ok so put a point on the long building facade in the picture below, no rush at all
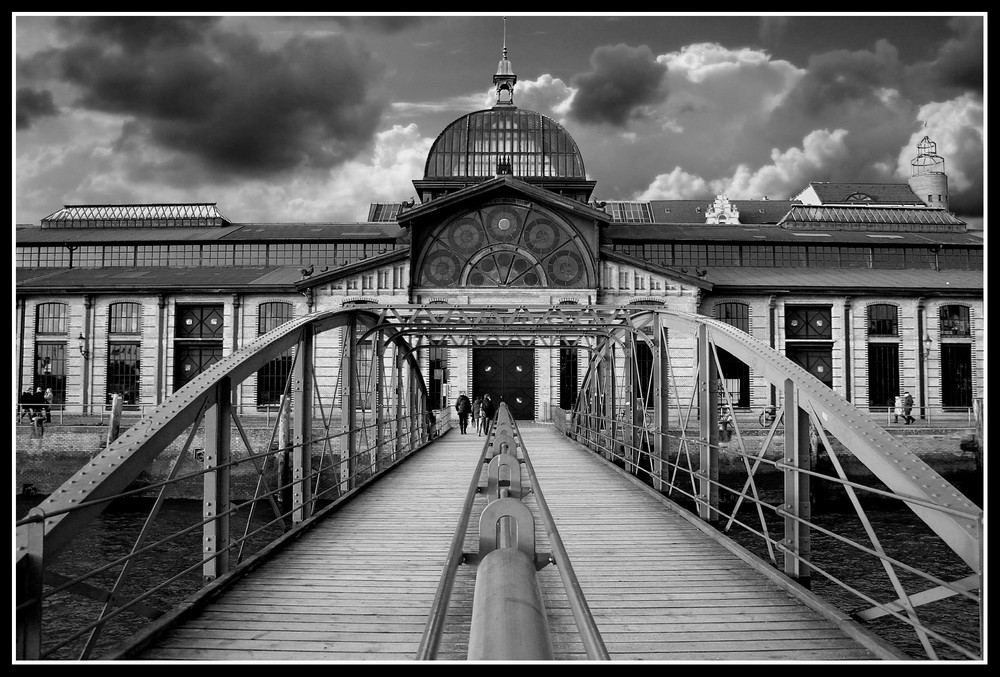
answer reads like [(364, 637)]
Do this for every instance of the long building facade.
[(875, 289)]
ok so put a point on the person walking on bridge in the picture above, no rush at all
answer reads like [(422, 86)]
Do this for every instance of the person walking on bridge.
[(477, 414), (488, 411), (464, 407)]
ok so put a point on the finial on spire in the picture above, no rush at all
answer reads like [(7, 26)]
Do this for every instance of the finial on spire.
[(505, 37), (505, 78)]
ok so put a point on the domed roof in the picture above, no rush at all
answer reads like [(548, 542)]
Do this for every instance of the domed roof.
[(534, 145)]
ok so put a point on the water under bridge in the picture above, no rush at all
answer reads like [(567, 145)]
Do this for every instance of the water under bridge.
[(374, 532)]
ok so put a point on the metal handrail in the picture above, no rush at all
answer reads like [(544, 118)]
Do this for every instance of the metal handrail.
[(430, 640), (37, 517), (606, 445), (590, 636)]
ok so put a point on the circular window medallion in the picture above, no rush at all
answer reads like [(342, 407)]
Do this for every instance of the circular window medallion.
[(441, 269), (541, 237), (566, 268), (466, 235), (504, 223)]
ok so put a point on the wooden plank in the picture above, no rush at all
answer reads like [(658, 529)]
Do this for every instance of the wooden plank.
[(667, 568), (359, 586)]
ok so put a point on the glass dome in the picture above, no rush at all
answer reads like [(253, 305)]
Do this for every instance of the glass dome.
[(534, 145)]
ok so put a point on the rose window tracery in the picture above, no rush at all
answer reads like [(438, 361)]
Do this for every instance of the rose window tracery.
[(505, 244)]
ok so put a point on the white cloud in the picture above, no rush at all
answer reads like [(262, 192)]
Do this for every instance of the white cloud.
[(789, 172), (677, 185)]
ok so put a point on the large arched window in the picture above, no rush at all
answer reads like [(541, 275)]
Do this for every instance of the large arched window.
[(51, 334), (124, 344), (506, 243), (271, 378)]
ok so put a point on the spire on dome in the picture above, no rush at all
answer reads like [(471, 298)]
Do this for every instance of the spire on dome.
[(505, 78)]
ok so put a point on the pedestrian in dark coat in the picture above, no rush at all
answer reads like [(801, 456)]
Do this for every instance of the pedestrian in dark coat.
[(464, 407), (907, 408), (489, 411), (25, 405), (477, 414)]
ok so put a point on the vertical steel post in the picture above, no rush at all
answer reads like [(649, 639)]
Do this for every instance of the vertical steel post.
[(661, 403), (609, 400), (400, 392), (378, 357), (796, 506), (302, 410), (348, 378), (215, 533), (30, 574), (628, 386), (708, 413)]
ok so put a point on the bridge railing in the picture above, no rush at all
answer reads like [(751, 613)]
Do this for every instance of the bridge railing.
[(883, 587), (655, 403), (88, 578), (508, 617)]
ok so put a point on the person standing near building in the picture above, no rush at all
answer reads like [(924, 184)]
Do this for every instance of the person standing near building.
[(477, 414), (24, 405), (464, 407), (38, 404), (49, 397), (908, 407), (897, 408)]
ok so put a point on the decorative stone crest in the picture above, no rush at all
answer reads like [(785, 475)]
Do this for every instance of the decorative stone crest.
[(721, 211)]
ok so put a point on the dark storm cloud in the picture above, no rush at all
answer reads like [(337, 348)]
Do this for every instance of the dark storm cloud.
[(958, 67), (623, 80), (33, 104), (381, 24), (841, 77), (222, 97)]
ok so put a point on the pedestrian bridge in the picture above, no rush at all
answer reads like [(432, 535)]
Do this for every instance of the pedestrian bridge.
[(374, 534)]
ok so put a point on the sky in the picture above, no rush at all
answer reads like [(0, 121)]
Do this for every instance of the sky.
[(296, 118)]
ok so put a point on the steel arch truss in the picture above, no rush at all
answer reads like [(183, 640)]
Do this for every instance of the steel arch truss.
[(649, 399), (653, 403), (318, 449)]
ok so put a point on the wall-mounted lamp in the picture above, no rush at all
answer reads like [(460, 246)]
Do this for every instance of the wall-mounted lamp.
[(82, 345), (927, 346)]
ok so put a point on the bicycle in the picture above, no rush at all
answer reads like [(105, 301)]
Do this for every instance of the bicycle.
[(766, 418)]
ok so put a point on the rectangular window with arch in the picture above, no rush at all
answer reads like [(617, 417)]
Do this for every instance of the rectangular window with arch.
[(124, 352), (955, 321), (883, 320), (51, 327), (271, 378)]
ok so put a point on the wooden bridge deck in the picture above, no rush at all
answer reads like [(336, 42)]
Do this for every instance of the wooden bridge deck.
[(359, 585)]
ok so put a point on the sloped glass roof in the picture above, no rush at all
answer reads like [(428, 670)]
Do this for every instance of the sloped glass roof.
[(132, 215), (867, 214)]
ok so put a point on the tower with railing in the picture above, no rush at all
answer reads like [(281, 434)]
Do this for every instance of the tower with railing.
[(928, 180)]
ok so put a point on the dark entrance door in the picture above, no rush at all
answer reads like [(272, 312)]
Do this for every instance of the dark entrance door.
[(192, 360), (816, 359), (198, 341), (956, 375), (507, 374)]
